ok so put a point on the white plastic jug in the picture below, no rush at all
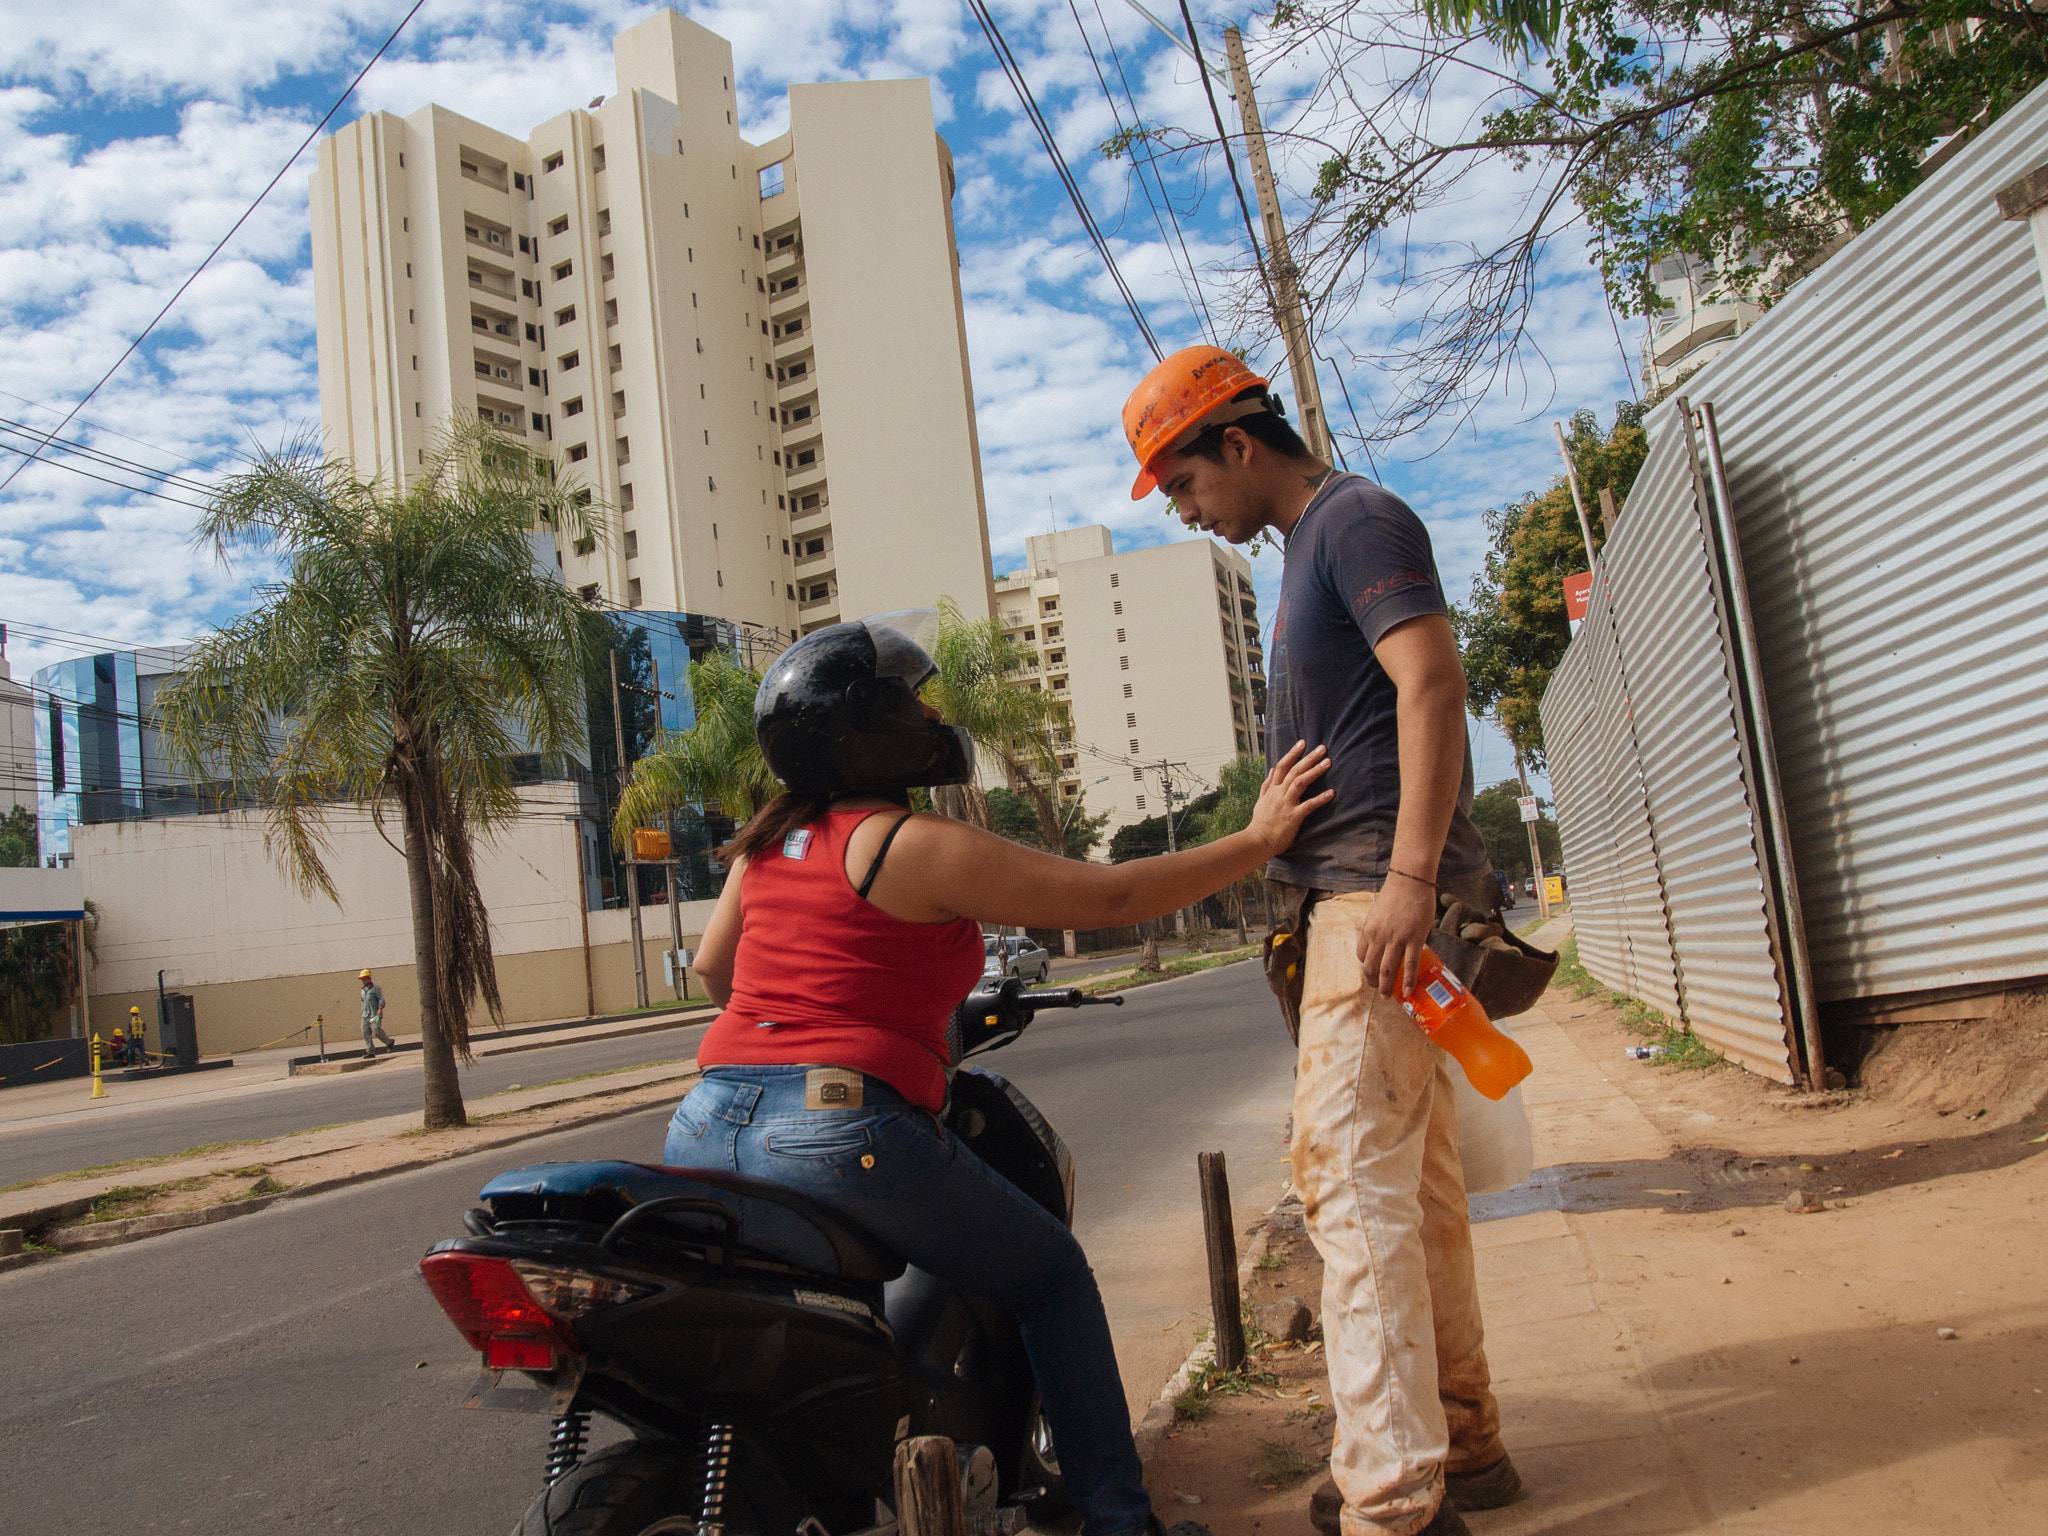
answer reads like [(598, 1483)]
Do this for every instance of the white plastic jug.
[(1493, 1138)]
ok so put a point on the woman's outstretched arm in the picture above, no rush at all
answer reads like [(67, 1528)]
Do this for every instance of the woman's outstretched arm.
[(939, 869)]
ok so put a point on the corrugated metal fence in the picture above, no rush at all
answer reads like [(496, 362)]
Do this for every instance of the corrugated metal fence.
[(1885, 434)]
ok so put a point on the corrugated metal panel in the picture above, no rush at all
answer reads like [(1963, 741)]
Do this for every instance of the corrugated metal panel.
[(1886, 436), (1700, 809), (1571, 713), (1603, 817)]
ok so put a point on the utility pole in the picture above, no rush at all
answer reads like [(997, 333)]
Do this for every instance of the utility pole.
[(632, 864), (1535, 846), (1180, 917), (1280, 268)]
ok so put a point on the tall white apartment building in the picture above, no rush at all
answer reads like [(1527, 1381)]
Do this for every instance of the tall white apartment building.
[(1702, 322), (1157, 653), (804, 385)]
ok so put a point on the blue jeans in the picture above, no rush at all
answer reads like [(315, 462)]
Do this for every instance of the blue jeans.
[(892, 1170)]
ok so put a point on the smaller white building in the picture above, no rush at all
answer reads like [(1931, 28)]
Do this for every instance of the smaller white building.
[(1157, 654), (1702, 322)]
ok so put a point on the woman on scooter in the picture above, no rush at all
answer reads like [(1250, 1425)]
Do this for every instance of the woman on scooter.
[(848, 930)]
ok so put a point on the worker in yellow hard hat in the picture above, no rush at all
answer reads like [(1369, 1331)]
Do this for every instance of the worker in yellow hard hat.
[(373, 1016), (1363, 662)]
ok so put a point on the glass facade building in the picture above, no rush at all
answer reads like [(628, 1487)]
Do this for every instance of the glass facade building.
[(99, 758)]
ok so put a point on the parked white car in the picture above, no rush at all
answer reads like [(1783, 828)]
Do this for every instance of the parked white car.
[(1021, 958)]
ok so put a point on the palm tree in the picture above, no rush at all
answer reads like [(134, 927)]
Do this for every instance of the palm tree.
[(1519, 26), (976, 689), (414, 646), (716, 763)]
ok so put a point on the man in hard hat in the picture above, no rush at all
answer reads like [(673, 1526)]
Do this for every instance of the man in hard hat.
[(1363, 662), (373, 1016), (138, 1049)]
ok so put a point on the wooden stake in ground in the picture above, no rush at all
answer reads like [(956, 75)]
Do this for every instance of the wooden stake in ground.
[(928, 1499), (1221, 1238)]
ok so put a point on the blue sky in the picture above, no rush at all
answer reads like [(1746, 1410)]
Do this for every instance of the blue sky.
[(132, 136)]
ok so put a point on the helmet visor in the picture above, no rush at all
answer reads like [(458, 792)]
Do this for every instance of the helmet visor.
[(904, 642)]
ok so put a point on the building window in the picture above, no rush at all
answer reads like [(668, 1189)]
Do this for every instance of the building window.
[(573, 407), (585, 545), (1056, 658), (1113, 578), (1120, 638), (552, 163), (597, 157), (626, 496), (532, 332), (1134, 744), (808, 456), (790, 590), (1141, 802), (526, 291), (519, 180), (559, 226), (1117, 606), (567, 361), (579, 453), (771, 180), (1127, 690), (632, 591), (1130, 721), (1123, 663), (533, 377), (525, 246), (625, 450), (560, 272), (632, 545)]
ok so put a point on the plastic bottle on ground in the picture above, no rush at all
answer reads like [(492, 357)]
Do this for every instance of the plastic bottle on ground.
[(1452, 1018)]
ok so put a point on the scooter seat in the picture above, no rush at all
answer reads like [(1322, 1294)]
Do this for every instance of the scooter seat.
[(775, 1224)]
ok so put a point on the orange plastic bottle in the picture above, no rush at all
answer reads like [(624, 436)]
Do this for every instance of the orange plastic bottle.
[(1452, 1018)]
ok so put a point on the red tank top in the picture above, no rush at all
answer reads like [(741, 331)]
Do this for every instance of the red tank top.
[(823, 976)]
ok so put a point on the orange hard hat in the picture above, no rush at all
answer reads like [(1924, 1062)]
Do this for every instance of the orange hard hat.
[(1178, 398)]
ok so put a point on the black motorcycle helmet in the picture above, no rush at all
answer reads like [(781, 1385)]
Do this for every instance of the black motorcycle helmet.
[(837, 712)]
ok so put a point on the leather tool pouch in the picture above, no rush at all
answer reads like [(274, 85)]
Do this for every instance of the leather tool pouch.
[(1286, 950)]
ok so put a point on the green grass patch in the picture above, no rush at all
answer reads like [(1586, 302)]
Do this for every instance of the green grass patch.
[(263, 1186), (1683, 1051), (1210, 1383), (1272, 1260), (1187, 965), (584, 1077), (206, 1149), (1281, 1463)]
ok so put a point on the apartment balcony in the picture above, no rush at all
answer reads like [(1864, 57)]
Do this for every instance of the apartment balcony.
[(483, 279), (793, 344), (801, 423), (486, 322), (1681, 334), (805, 470), (789, 292), (812, 566), (503, 372), (798, 378), (489, 237), (778, 260), (808, 524)]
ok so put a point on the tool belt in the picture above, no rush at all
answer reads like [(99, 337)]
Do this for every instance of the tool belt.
[(1507, 976), (1285, 955)]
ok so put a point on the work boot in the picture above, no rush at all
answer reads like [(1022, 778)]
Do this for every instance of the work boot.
[(1491, 1487), (1326, 1508)]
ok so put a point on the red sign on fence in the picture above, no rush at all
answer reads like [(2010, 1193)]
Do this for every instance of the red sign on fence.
[(1578, 595)]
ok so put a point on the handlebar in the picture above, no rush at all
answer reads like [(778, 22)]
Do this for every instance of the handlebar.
[(1067, 997)]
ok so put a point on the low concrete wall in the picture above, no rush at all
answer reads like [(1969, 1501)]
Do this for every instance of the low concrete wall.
[(44, 1061), (548, 984)]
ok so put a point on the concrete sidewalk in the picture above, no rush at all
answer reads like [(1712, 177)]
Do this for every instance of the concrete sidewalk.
[(385, 1144), (1675, 1350), (268, 1071)]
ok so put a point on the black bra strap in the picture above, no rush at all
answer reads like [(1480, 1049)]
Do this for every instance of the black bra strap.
[(881, 853)]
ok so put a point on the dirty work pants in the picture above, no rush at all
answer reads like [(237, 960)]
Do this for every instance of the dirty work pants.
[(1376, 1165), (375, 1027)]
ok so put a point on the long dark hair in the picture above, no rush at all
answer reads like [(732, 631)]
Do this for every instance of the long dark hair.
[(783, 815)]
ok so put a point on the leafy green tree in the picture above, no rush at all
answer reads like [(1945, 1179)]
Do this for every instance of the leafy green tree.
[(1237, 796), (1497, 812), (1751, 136), (716, 764), (1513, 632), (1013, 816), (413, 647), (18, 839), (1019, 729), (1143, 839)]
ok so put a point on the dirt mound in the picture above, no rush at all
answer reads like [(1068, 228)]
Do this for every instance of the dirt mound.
[(1998, 1065)]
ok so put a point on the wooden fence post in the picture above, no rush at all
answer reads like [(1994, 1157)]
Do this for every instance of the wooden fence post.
[(928, 1499), (1221, 1239)]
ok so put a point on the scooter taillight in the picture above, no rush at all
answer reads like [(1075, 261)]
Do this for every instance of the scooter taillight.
[(491, 1307)]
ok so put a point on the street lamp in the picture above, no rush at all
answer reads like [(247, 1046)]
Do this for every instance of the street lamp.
[(1077, 800)]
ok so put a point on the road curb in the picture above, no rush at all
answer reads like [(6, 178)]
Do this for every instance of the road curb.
[(1160, 1416), (1163, 981), (132, 1229)]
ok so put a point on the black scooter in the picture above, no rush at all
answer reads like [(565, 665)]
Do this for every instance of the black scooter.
[(767, 1356)]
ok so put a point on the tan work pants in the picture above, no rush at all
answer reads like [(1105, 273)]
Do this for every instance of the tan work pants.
[(1376, 1165)]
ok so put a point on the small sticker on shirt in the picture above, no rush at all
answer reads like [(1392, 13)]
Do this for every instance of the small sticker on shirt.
[(798, 844)]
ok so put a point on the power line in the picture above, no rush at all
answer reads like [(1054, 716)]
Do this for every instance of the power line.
[(247, 214), (101, 427), (1014, 72), (102, 456), (1230, 162), (1145, 161), (27, 455)]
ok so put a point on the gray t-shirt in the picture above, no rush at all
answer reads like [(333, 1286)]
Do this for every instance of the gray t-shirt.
[(1358, 563), (373, 1002)]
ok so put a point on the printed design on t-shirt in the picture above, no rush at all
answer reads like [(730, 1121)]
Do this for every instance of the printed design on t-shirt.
[(798, 844), (1399, 581)]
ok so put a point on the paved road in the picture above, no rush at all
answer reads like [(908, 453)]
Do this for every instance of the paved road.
[(256, 1111), (287, 1372)]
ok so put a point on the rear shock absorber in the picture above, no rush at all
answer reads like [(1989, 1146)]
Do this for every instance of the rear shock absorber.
[(717, 1467), (567, 1435)]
